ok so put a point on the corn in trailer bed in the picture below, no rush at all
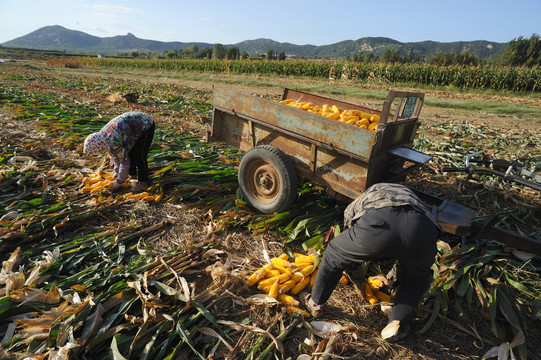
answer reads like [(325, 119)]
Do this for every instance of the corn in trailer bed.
[(284, 144)]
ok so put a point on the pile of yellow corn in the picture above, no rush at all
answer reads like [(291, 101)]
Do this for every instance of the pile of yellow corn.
[(99, 181), (281, 279), (355, 117), (372, 290)]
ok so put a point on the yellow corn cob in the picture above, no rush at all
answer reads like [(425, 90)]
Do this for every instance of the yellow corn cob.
[(86, 188), (307, 270), (363, 121), (369, 294), (285, 287), (285, 101), (344, 279), (284, 256), (281, 262), (347, 118), (98, 184), (297, 277), (373, 126), (96, 190), (126, 195), (287, 300), (335, 109), (375, 283), (273, 291), (332, 115), (296, 310), (300, 258), (300, 286), (313, 277), (305, 106), (326, 108), (91, 180), (382, 296), (272, 273), (374, 118), (158, 197), (283, 270), (282, 278), (298, 266), (149, 198), (256, 276)]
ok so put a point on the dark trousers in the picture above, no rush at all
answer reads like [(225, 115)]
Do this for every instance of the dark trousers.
[(139, 153), (400, 233)]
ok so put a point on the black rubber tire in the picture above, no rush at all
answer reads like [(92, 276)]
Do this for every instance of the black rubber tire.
[(268, 179)]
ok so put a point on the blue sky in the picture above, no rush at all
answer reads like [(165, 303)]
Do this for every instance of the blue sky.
[(299, 22)]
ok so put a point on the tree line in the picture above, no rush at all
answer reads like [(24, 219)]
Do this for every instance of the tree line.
[(520, 52)]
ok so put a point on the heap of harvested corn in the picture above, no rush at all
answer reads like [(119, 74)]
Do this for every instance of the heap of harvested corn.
[(355, 117), (282, 279), (100, 181)]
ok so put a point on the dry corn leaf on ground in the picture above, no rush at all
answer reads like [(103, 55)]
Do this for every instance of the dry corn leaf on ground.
[(355, 117)]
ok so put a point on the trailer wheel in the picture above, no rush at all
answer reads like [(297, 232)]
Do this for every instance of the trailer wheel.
[(268, 179)]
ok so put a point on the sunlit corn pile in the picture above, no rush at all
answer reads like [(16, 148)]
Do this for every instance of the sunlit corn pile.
[(355, 117), (282, 280), (99, 182)]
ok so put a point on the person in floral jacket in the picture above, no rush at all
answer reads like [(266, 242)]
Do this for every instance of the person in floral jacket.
[(127, 139)]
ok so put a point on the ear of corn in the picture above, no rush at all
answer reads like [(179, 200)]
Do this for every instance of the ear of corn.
[(306, 271), (282, 278), (288, 285), (256, 276), (272, 273), (300, 258), (313, 277), (287, 300), (344, 279), (382, 296), (273, 291), (281, 262), (369, 294), (300, 286), (375, 283), (296, 310)]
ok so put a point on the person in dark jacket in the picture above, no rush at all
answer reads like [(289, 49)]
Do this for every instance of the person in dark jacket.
[(127, 139), (388, 221)]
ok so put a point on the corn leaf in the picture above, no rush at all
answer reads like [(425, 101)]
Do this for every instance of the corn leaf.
[(185, 335), (114, 347)]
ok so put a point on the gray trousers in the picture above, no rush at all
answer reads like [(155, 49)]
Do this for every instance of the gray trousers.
[(400, 233)]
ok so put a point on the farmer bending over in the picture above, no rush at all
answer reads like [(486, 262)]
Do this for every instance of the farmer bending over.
[(387, 222), (127, 139)]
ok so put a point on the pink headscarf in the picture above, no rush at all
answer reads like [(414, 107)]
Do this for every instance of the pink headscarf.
[(95, 144)]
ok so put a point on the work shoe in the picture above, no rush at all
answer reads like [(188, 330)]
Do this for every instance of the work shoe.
[(139, 186), (395, 331), (306, 301)]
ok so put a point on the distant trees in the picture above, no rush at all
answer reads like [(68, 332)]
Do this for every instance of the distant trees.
[(446, 58), (523, 52), (520, 52)]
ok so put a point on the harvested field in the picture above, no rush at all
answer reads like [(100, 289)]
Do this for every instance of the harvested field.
[(149, 280)]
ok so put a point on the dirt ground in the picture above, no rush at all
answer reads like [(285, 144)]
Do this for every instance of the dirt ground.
[(190, 225)]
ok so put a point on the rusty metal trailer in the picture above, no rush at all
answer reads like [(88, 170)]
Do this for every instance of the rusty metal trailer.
[(285, 145)]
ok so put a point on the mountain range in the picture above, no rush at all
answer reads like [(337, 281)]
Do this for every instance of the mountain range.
[(59, 38)]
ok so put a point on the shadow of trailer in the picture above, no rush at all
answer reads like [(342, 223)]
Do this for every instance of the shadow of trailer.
[(286, 145)]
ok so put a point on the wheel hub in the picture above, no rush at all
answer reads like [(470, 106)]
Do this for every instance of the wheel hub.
[(264, 181)]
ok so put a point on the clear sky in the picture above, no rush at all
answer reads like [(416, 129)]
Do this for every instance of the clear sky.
[(300, 22)]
